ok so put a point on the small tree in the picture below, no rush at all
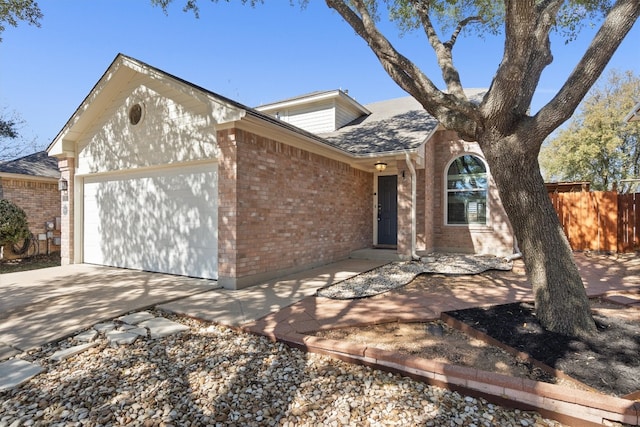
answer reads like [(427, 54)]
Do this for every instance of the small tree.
[(596, 145), (13, 223)]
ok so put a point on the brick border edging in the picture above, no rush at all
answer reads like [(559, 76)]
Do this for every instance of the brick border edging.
[(563, 404), (475, 333)]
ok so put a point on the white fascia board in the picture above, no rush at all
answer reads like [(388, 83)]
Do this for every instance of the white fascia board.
[(58, 147), (61, 147), (334, 94)]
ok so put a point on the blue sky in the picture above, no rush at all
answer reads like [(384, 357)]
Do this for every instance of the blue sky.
[(253, 56)]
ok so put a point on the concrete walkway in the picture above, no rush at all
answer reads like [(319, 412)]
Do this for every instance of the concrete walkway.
[(237, 308), (601, 275)]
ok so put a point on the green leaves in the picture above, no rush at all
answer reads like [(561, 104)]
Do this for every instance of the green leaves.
[(13, 223), (596, 145), (13, 11)]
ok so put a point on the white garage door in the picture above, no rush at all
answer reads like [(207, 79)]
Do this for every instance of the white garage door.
[(164, 221)]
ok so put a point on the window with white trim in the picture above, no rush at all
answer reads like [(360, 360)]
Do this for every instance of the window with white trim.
[(467, 191)]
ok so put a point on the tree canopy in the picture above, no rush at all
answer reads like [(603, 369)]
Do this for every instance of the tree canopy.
[(14, 11), (502, 124), (12, 143), (596, 145)]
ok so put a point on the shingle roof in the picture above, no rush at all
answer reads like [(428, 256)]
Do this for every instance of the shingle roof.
[(393, 125), (36, 164)]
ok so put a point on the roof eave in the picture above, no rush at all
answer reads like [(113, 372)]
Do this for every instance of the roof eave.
[(322, 96)]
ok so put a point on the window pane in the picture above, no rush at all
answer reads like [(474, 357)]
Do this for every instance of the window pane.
[(466, 191), (467, 165), (467, 207), (466, 173), (466, 182)]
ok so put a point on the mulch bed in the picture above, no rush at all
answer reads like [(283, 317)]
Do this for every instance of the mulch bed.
[(608, 361)]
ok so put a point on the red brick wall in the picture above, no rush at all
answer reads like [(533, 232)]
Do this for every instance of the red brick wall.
[(41, 202), (494, 238), (293, 208)]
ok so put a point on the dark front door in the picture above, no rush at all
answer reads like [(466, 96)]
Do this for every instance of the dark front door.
[(388, 210)]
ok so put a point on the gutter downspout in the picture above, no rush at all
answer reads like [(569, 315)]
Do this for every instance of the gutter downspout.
[(412, 170), (516, 252)]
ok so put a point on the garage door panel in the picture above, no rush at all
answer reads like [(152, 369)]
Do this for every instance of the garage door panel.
[(163, 221)]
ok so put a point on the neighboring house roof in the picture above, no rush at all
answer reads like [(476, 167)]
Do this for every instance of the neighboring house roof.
[(394, 125), (37, 164)]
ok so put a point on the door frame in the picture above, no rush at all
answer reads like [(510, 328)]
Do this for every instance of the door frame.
[(375, 210)]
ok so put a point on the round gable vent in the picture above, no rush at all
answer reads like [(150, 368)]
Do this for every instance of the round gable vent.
[(136, 114)]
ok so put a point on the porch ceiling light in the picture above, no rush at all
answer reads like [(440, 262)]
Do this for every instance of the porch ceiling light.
[(380, 166), (63, 185)]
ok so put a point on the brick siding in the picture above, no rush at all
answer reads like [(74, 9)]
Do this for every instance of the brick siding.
[(40, 200), (287, 208), (494, 238)]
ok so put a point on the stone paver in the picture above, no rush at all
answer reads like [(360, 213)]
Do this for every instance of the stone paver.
[(135, 318), (104, 328), (16, 371), (160, 327), (121, 338), (6, 351), (86, 336), (71, 351)]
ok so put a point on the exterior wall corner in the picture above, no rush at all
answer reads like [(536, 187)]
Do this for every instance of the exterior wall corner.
[(67, 206)]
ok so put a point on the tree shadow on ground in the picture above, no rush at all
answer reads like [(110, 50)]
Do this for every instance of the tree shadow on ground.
[(607, 360)]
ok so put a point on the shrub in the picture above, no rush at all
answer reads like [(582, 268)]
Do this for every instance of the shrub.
[(13, 223)]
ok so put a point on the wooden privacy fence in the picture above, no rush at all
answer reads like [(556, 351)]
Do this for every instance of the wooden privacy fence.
[(599, 220)]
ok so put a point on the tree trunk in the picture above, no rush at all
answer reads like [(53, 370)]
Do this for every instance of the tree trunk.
[(561, 301)]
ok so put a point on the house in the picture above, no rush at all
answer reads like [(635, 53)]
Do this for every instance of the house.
[(31, 183), (163, 175)]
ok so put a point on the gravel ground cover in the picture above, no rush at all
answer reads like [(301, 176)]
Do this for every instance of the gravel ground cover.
[(212, 375), (398, 274)]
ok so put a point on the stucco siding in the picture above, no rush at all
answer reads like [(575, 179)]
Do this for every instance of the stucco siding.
[(174, 128)]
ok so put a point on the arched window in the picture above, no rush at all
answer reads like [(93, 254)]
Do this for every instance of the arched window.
[(467, 191)]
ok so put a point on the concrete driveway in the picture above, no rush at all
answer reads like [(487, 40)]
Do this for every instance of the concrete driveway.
[(40, 306)]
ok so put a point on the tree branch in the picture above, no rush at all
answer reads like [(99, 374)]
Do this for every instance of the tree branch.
[(443, 52), (461, 25), (452, 111), (615, 27), (527, 53)]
